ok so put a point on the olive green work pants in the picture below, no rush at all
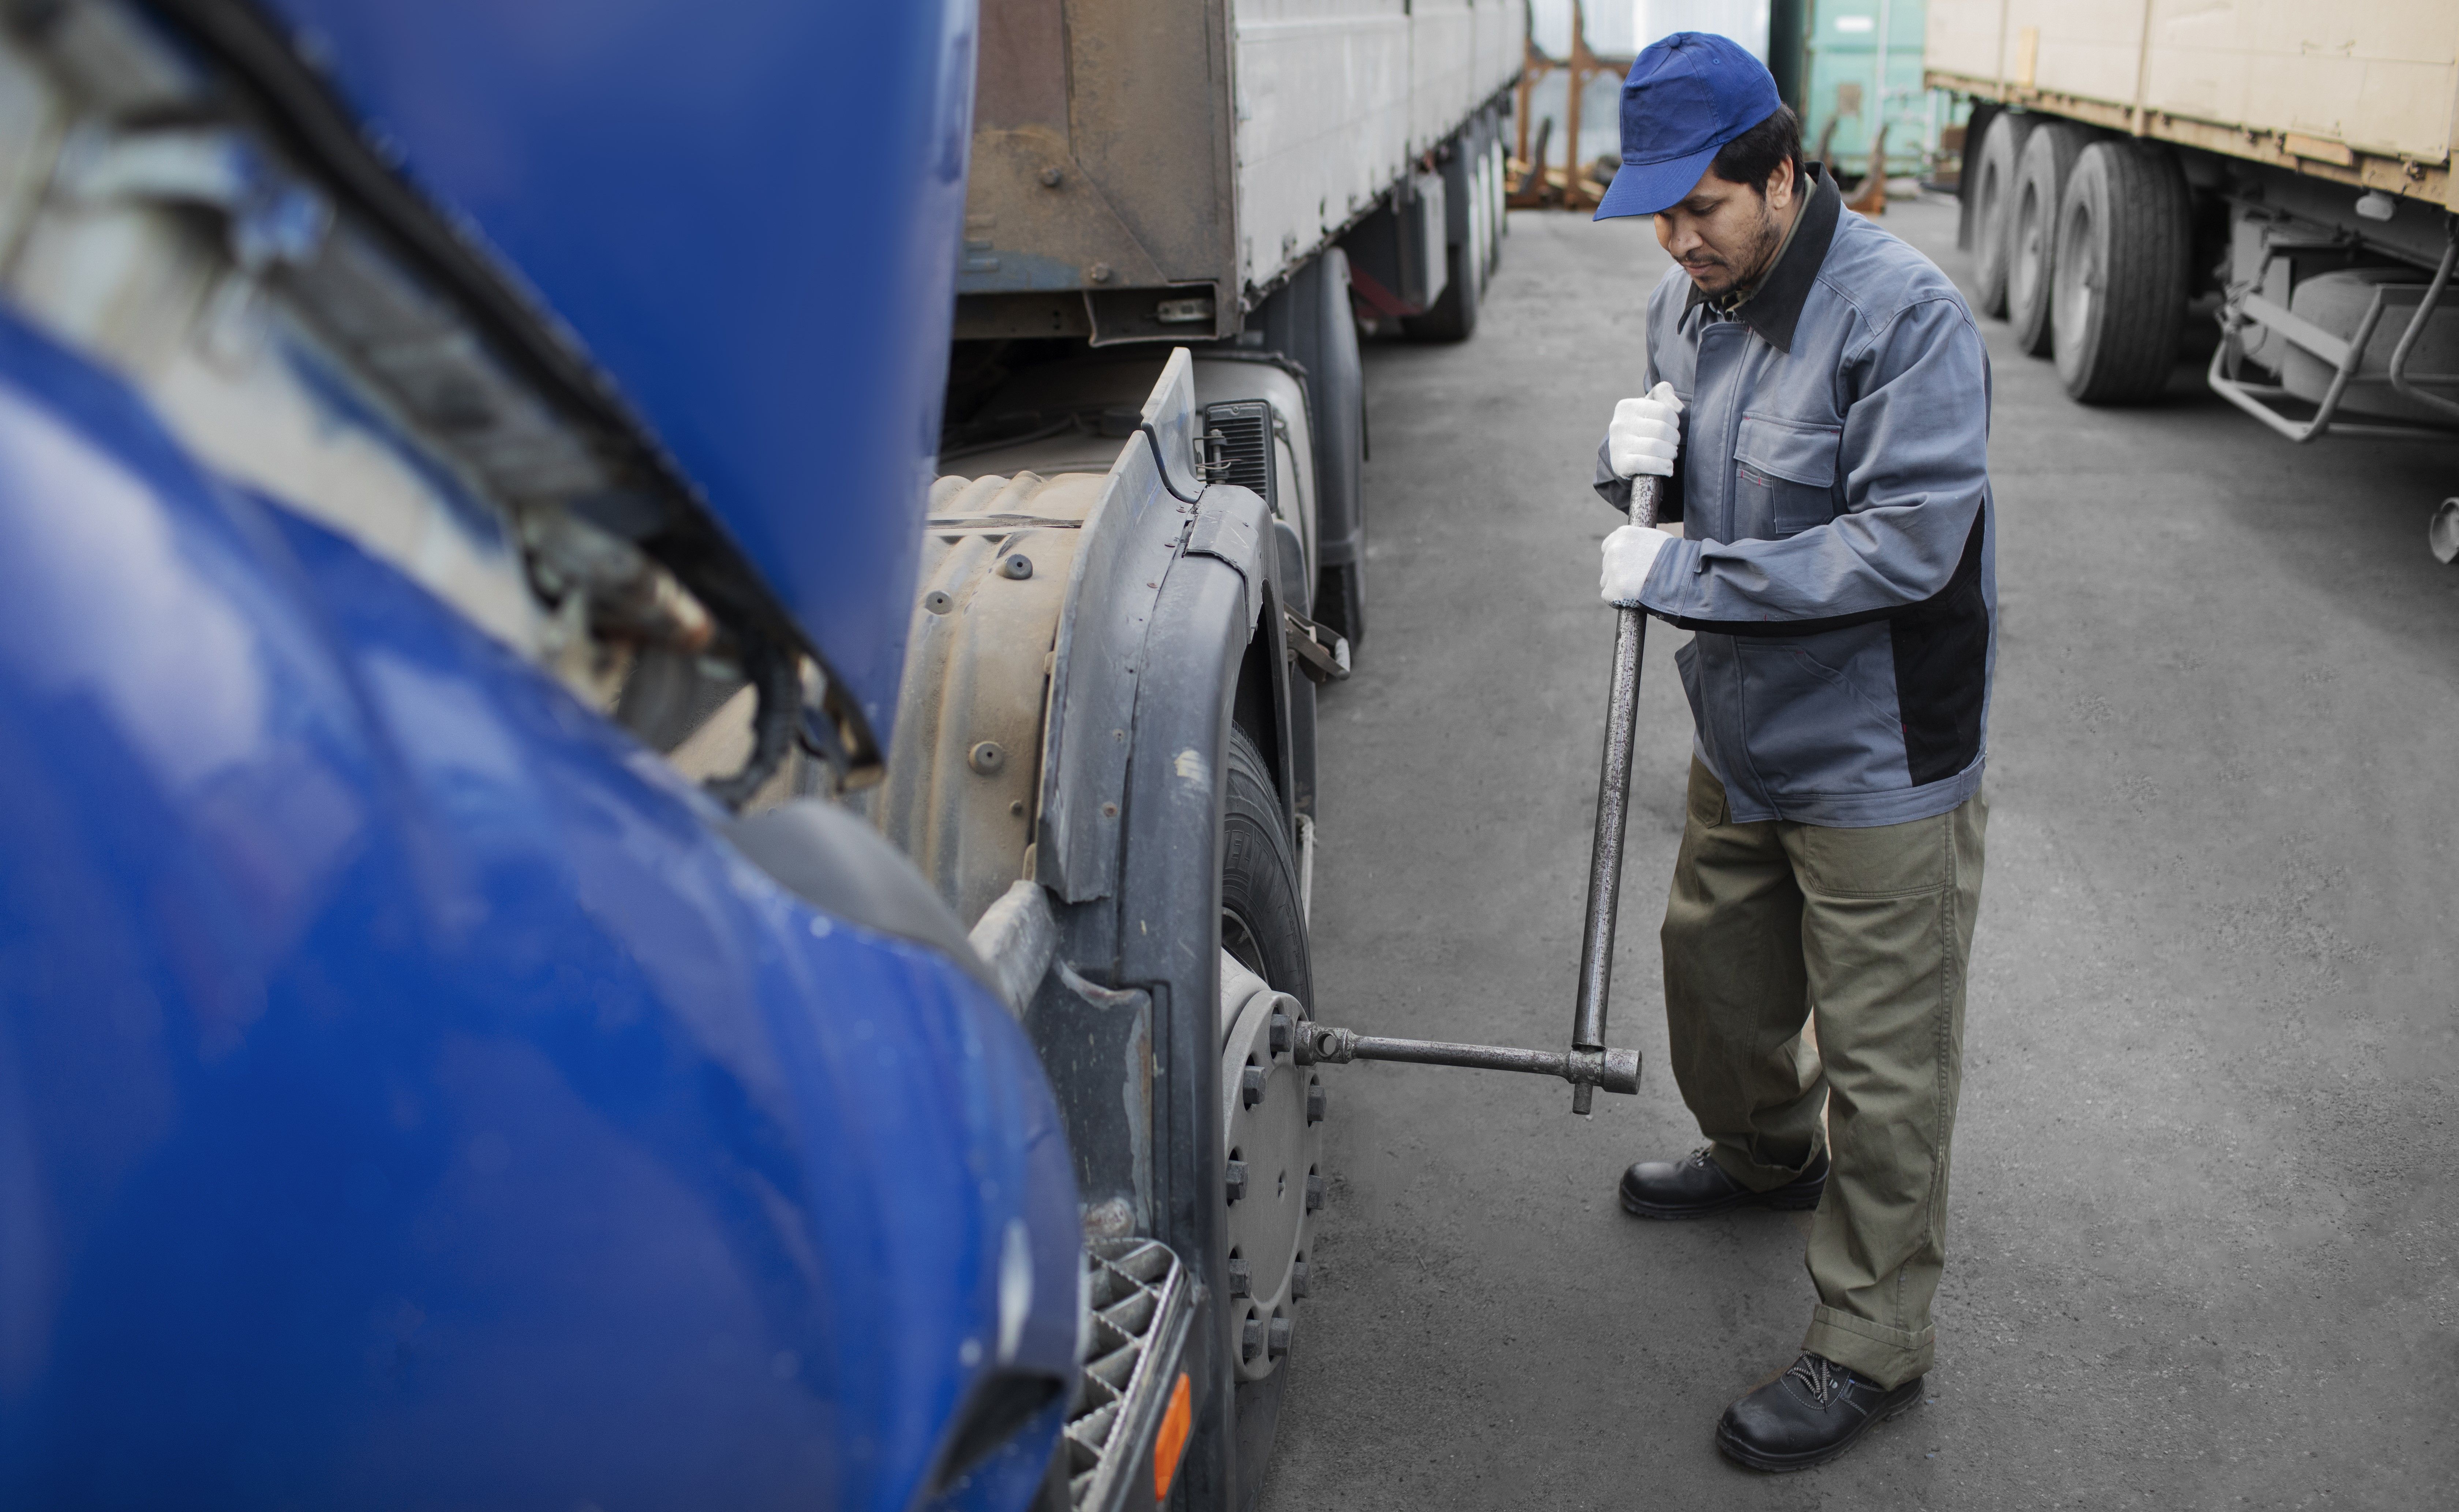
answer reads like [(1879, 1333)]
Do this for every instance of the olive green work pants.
[(1809, 969)]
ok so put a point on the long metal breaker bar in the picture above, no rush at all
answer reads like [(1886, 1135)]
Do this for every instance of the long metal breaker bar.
[(1588, 1064)]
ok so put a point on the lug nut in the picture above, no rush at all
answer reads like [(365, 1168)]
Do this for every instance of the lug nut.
[(1281, 1030), (1236, 1183), (986, 757), (1315, 1191), (1251, 1085), (1316, 1099), (1017, 565), (1297, 1279), (938, 601), (1240, 1282), (1277, 1337), (1251, 1343)]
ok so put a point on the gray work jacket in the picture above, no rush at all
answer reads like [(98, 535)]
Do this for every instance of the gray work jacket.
[(1838, 550)]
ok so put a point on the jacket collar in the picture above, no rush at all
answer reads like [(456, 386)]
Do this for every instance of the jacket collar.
[(1773, 304)]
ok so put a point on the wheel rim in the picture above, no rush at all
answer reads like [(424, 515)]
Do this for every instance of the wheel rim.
[(2026, 275), (1272, 1125), (2078, 279)]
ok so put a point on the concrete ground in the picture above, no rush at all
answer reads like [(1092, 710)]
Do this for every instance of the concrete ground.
[(2204, 1213)]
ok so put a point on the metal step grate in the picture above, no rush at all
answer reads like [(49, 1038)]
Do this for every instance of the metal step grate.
[(1136, 1293)]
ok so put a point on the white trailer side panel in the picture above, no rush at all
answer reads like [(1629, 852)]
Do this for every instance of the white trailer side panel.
[(1501, 45), (2084, 46), (2380, 75), (1964, 39), (2363, 90), (1323, 120), (1442, 63), (1335, 97)]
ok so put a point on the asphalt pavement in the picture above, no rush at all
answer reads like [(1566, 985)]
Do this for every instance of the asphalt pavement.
[(2204, 1213)]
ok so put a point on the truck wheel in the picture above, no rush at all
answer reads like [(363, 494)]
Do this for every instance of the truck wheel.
[(1485, 232), (1499, 213), (1994, 200), (1272, 1108), (2125, 233), (1263, 925), (2040, 187), (1453, 316)]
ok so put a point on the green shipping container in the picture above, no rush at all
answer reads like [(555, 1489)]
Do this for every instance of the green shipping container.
[(1862, 63)]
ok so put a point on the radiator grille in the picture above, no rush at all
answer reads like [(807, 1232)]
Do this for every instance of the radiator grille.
[(1238, 443)]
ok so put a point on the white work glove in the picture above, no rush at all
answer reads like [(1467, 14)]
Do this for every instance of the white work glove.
[(1646, 433), (1630, 552)]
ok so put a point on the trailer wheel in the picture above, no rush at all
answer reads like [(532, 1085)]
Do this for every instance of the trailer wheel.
[(1453, 316), (2041, 178), (1272, 1124), (2125, 233), (2002, 150), (1499, 210)]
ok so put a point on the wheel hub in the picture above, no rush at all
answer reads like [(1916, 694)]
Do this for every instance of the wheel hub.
[(1272, 1117)]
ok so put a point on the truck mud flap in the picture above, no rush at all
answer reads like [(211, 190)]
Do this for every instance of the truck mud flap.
[(1131, 1417)]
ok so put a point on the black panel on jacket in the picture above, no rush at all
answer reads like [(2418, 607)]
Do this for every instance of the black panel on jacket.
[(1942, 670)]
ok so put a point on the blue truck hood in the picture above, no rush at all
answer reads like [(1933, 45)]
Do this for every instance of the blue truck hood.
[(747, 214)]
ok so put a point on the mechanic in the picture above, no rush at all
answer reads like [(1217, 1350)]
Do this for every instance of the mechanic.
[(1818, 403)]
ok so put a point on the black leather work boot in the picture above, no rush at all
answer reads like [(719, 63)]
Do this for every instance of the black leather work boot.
[(1809, 1414), (1696, 1186)]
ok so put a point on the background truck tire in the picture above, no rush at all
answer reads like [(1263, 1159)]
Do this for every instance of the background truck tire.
[(2002, 150), (2041, 178), (2125, 235), (1498, 215), (1263, 927), (1453, 317)]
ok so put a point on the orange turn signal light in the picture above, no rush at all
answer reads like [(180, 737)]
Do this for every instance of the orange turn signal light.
[(1171, 1442)]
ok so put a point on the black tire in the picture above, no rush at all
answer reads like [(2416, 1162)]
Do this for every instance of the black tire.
[(2125, 241), (1993, 197), (1498, 192), (1453, 317), (1263, 924), (2041, 177)]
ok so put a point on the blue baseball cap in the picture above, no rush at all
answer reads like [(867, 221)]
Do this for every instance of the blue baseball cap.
[(1684, 97)]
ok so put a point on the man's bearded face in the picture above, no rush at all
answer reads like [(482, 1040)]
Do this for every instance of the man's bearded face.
[(1725, 234)]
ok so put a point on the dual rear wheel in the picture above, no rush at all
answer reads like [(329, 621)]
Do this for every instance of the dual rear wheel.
[(2084, 243)]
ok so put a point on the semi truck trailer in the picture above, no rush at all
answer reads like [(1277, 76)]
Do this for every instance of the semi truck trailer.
[(658, 833), (2287, 167)]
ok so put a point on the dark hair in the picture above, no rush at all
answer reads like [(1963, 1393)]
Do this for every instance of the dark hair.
[(1752, 158)]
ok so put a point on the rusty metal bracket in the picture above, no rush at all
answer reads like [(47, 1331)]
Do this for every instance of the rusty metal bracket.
[(1322, 652)]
